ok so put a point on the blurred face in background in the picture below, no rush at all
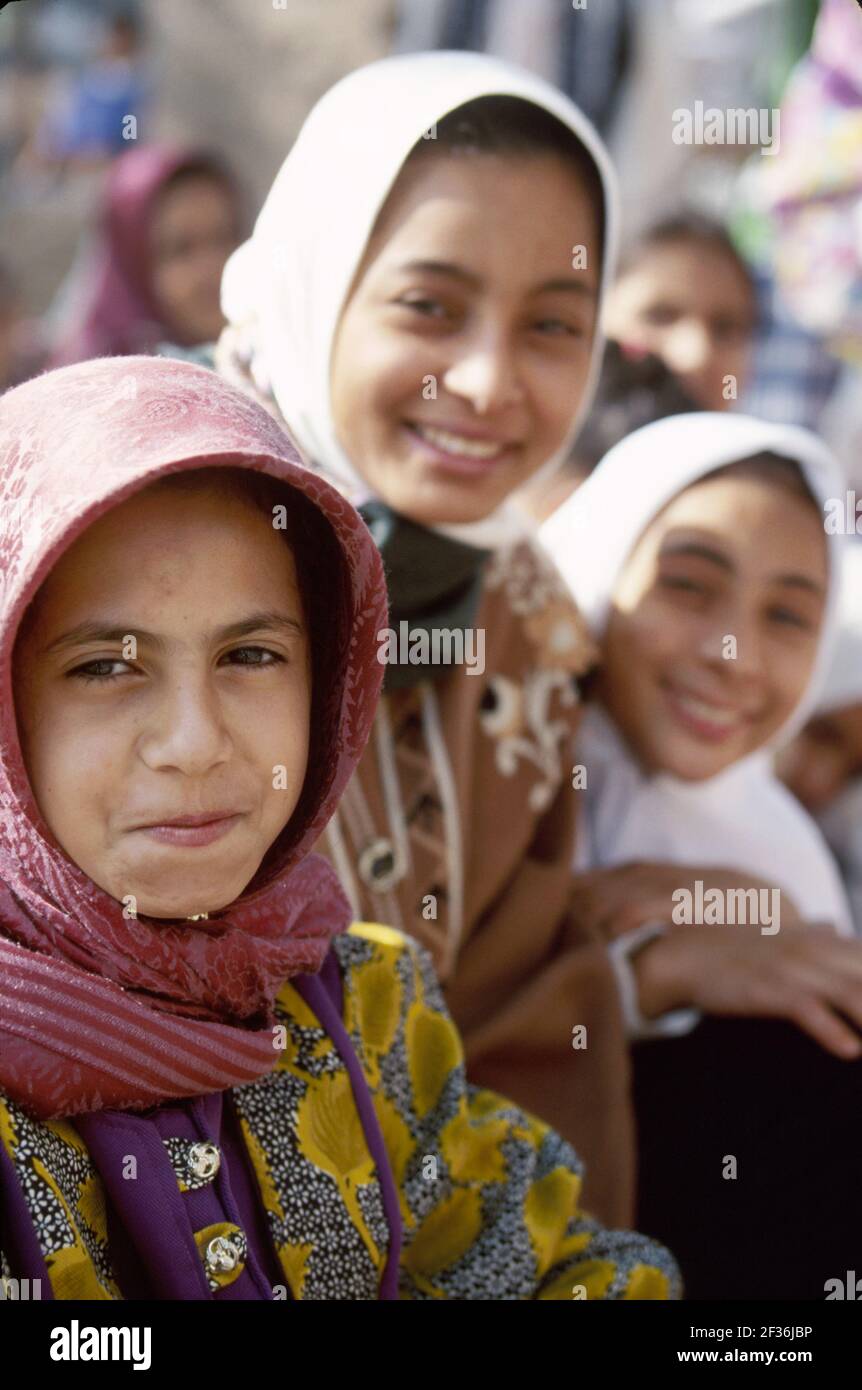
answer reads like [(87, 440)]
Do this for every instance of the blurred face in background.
[(820, 762), (690, 304), (463, 286), (193, 229)]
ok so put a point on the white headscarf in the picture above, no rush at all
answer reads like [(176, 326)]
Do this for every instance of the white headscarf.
[(285, 287), (743, 818)]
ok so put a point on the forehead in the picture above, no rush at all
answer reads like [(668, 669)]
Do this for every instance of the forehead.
[(694, 271), (163, 542), (445, 204), (195, 197), (756, 520)]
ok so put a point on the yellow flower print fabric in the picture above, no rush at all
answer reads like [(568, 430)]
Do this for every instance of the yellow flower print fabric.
[(488, 1194)]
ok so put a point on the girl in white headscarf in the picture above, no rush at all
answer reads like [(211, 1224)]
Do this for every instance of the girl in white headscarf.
[(419, 303), (712, 655), (697, 552)]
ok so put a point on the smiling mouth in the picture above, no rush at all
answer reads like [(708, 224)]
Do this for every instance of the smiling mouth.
[(712, 722), (461, 448)]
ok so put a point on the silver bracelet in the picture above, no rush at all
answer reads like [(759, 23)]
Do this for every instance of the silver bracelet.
[(621, 951)]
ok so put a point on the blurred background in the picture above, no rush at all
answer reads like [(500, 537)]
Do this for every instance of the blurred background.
[(139, 137)]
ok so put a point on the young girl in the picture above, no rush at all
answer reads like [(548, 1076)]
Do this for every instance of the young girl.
[(431, 342), (684, 293), (169, 221), (208, 1088), (698, 552)]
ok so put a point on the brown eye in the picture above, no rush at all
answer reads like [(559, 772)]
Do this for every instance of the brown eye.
[(660, 315), (96, 670), (788, 617), (254, 656), (558, 328), (682, 583), (428, 308)]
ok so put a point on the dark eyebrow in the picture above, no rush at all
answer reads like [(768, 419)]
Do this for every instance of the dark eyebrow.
[(800, 581), (99, 632), (700, 551), (468, 277), (706, 552)]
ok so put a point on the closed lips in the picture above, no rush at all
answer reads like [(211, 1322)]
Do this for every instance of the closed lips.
[(208, 818)]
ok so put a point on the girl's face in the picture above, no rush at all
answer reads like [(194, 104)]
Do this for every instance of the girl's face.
[(464, 346), (690, 305), (730, 558), (192, 232), (163, 695)]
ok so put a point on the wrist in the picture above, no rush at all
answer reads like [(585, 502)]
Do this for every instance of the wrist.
[(657, 989)]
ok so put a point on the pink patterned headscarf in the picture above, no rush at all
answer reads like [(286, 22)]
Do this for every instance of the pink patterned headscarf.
[(96, 1009)]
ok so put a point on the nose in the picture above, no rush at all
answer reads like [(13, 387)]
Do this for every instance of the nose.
[(743, 657), (187, 732), (486, 374), (687, 347)]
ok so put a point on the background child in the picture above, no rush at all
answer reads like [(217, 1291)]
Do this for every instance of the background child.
[(170, 219), (684, 293)]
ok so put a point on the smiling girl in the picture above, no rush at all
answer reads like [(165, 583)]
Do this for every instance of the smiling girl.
[(209, 1088), (419, 303), (712, 594), (711, 587)]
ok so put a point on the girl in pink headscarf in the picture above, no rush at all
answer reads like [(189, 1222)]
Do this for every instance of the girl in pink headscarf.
[(189, 637), (170, 219)]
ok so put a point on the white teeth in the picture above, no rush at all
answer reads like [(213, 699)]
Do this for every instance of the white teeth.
[(723, 718), (458, 445)]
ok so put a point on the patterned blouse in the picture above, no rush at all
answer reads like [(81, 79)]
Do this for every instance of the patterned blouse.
[(372, 1170)]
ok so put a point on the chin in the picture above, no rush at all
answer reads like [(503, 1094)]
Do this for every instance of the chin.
[(190, 903), (695, 764)]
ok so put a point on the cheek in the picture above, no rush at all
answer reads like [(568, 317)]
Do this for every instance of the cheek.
[(281, 723), (650, 639), (75, 773), (789, 670), (170, 287), (367, 374), (556, 390)]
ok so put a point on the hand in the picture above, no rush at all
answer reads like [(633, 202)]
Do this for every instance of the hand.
[(805, 974), (611, 902)]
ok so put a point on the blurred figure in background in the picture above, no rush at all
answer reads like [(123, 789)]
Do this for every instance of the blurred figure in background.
[(811, 198), (86, 121), (684, 293), (584, 50), (170, 220), (823, 765)]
